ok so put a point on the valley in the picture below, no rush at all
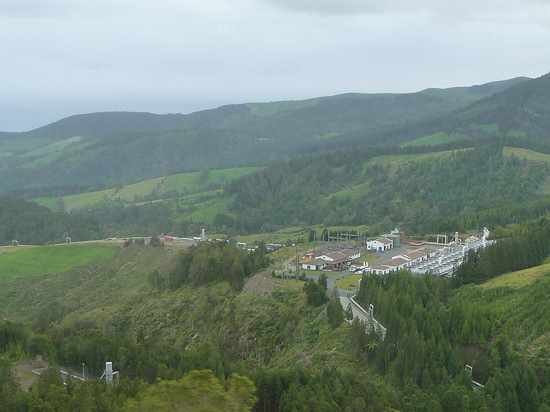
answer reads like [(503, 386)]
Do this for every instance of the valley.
[(104, 227)]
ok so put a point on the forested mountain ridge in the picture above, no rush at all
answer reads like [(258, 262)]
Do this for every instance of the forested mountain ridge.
[(522, 110), (465, 185), (385, 187), (113, 148)]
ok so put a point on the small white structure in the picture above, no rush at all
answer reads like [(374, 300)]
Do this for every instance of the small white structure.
[(380, 245), (108, 373), (380, 270)]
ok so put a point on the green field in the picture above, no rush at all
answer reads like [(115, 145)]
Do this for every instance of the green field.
[(489, 128), (188, 184), (207, 211), (435, 139), (50, 157), (350, 282), (196, 181), (53, 147), (520, 278), (526, 154), (396, 160), (43, 260)]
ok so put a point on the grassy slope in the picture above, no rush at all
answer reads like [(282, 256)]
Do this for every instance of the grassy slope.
[(44, 260), (518, 279), (516, 306), (527, 154), (393, 161), (53, 147), (114, 293), (88, 282), (184, 182), (532, 156), (435, 139), (50, 157)]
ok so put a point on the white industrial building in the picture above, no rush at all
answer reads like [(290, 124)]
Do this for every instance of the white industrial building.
[(333, 259), (380, 245)]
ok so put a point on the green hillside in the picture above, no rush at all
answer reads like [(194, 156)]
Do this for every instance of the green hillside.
[(521, 110), (109, 149), (385, 188), (43, 260), (186, 196), (31, 224), (110, 309)]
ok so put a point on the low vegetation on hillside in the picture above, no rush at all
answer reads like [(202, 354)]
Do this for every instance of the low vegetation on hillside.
[(284, 348)]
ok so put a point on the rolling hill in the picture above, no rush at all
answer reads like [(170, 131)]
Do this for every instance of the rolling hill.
[(522, 110), (102, 150)]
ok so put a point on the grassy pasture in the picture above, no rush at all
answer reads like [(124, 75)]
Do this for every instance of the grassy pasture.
[(527, 154), (207, 211), (183, 183), (85, 199), (348, 283), (49, 202), (396, 160), (192, 181), (43, 260), (49, 158), (434, 139), (354, 192), (520, 278), (489, 128), (53, 147)]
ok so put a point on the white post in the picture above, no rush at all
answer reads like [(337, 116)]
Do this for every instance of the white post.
[(109, 372)]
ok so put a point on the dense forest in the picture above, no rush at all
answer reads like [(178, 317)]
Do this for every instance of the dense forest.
[(31, 224), (376, 192)]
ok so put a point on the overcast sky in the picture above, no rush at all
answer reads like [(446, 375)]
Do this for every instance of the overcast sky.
[(65, 57)]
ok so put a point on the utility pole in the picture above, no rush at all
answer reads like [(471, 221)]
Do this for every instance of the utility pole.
[(297, 264), (314, 254)]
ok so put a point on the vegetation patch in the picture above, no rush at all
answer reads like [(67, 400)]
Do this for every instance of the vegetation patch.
[(207, 211), (349, 282), (20, 145), (266, 109), (435, 139), (53, 147), (489, 128), (526, 154), (51, 259), (520, 278)]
